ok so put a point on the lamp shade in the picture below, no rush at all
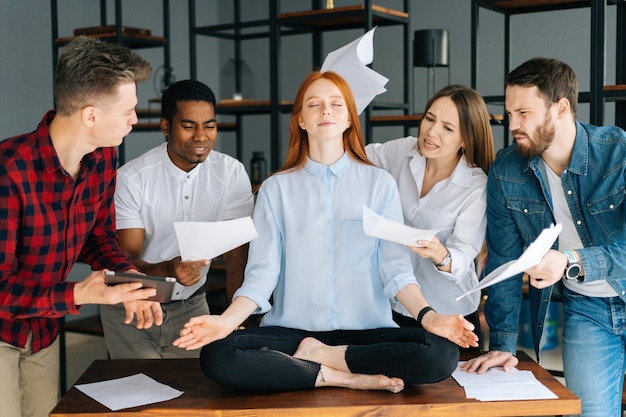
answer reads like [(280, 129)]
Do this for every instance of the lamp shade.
[(430, 48)]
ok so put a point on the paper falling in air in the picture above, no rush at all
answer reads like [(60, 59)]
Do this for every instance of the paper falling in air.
[(350, 61)]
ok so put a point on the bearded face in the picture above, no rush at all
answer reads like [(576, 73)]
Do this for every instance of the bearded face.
[(540, 139)]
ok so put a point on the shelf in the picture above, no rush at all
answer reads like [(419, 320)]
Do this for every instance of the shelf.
[(229, 30), (415, 119), (598, 93), (383, 105), (134, 41), (120, 34), (236, 107), (531, 6), (148, 113), (363, 16), (610, 93), (155, 126), (615, 92), (313, 21), (397, 120), (146, 127), (350, 17)]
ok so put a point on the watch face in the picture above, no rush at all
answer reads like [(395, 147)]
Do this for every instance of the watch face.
[(573, 271)]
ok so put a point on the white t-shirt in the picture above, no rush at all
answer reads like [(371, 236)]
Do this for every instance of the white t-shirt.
[(455, 205), (569, 239), (152, 193)]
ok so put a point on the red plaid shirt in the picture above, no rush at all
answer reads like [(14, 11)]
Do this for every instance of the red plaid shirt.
[(46, 221)]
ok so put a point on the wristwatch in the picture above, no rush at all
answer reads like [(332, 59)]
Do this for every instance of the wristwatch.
[(573, 268), (446, 260)]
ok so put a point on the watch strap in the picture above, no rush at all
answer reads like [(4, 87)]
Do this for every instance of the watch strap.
[(445, 261), (571, 258), (572, 264)]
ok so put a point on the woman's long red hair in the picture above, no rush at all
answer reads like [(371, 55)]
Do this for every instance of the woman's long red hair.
[(298, 138)]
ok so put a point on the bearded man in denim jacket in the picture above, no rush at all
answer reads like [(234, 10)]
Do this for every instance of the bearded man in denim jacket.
[(560, 171)]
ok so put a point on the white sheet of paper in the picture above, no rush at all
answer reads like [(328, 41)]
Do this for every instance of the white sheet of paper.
[(529, 258), (510, 392), (499, 385), (130, 391), (378, 226), (206, 240), (493, 375), (350, 61)]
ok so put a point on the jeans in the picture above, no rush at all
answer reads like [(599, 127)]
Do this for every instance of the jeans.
[(260, 358), (594, 332)]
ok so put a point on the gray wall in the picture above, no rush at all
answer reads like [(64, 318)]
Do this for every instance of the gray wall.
[(26, 64), (26, 55)]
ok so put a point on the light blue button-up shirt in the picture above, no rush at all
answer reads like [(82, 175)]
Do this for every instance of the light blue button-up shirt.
[(312, 254)]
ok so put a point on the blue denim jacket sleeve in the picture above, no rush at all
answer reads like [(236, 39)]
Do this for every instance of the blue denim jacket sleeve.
[(595, 183), (505, 243)]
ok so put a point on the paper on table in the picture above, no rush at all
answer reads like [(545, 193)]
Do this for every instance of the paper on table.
[(130, 391), (510, 392), (206, 240), (350, 61), (378, 226), (499, 385), (529, 258), (495, 375)]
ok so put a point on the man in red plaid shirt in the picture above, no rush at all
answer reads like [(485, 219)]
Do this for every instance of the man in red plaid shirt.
[(56, 204)]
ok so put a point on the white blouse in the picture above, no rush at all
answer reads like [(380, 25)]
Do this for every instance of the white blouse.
[(455, 205)]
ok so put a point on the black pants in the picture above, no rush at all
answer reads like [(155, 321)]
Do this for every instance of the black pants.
[(260, 358)]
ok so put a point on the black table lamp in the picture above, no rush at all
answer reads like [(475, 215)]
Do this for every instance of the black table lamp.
[(430, 50)]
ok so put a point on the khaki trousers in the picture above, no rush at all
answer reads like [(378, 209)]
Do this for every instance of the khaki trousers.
[(29, 383)]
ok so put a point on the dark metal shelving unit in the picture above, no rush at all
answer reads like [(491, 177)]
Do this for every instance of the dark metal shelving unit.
[(314, 21), (117, 33), (598, 93), (366, 16)]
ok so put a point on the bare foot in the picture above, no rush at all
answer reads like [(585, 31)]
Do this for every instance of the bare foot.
[(315, 351), (307, 348), (334, 371), (329, 377)]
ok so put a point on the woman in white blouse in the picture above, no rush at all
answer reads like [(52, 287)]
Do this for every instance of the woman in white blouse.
[(442, 179)]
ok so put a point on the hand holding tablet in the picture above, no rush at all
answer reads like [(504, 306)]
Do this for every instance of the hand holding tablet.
[(163, 285)]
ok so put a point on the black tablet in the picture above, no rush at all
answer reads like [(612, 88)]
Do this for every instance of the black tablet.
[(163, 285)]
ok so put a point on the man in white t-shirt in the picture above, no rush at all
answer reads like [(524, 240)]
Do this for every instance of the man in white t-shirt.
[(180, 180)]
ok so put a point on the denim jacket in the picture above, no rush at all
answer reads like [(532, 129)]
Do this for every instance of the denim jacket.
[(519, 207)]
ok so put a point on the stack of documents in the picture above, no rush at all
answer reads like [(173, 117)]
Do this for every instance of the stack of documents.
[(499, 385)]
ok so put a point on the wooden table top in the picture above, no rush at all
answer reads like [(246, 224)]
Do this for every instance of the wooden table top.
[(203, 397)]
